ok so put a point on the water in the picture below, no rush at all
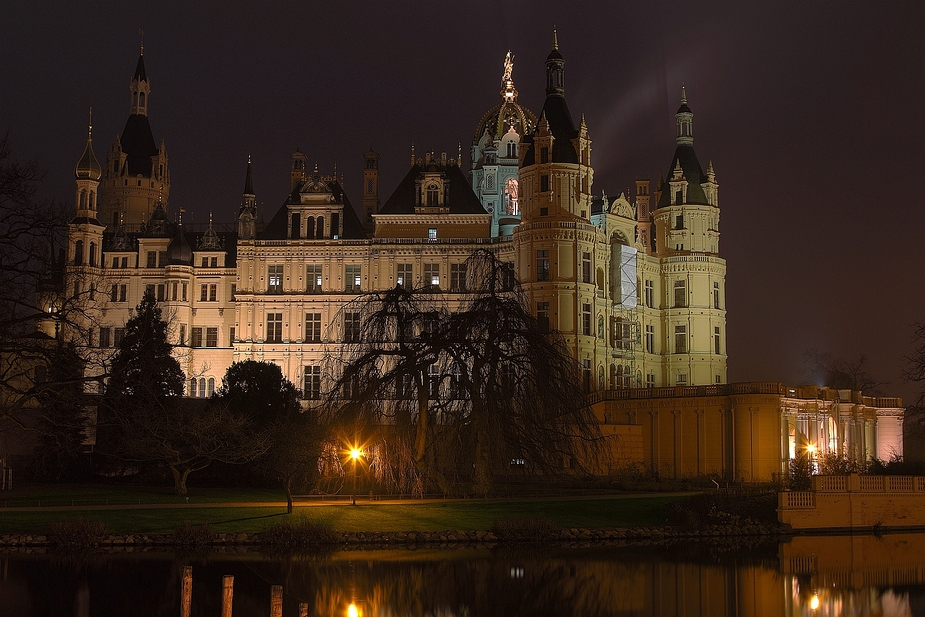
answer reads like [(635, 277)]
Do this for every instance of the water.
[(830, 576)]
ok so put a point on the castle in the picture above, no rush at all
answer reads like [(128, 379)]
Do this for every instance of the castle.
[(635, 284)]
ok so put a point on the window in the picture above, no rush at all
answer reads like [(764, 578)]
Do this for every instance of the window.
[(352, 278), (119, 293), (544, 154), (231, 336), (152, 259), (182, 340), (192, 387), (680, 379), (586, 374), (202, 388), (542, 265), (586, 319), (433, 382), (716, 295), (213, 292), (432, 274), (183, 289), (234, 291), (650, 339), (274, 328), (352, 327), (211, 389), (404, 276), (311, 389), (650, 380), (161, 293), (507, 276), (716, 341), (312, 327), (211, 337), (432, 233), (586, 267), (115, 262), (458, 277), (205, 262), (105, 337), (544, 211), (650, 294), (275, 278), (542, 316), (680, 294), (433, 194), (319, 232), (149, 289), (125, 262), (600, 327), (203, 293), (544, 183), (174, 286), (196, 338), (213, 262), (313, 278), (208, 292), (680, 339), (679, 222)]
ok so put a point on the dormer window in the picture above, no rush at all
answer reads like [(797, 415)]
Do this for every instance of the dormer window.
[(432, 196)]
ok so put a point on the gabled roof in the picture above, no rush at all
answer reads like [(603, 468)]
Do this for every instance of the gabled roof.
[(278, 226), (461, 199)]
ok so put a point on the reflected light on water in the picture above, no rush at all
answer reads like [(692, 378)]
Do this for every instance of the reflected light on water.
[(353, 611)]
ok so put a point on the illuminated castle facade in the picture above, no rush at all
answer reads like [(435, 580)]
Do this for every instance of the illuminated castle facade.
[(635, 284)]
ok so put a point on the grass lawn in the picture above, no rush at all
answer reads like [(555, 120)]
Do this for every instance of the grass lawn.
[(617, 511), (97, 495)]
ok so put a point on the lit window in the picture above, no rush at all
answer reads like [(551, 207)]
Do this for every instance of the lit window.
[(432, 274), (404, 276), (432, 233), (313, 278), (352, 278), (275, 279)]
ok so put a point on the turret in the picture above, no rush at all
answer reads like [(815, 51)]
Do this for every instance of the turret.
[(87, 175), (140, 88), (247, 213), (298, 170), (370, 189)]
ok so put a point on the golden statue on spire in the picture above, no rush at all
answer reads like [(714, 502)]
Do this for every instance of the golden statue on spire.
[(508, 66)]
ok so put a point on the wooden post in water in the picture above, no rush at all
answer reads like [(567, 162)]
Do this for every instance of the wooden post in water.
[(227, 594), (276, 601), (303, 609), (186, 591)]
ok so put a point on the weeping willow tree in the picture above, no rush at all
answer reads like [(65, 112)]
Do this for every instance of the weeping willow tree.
[(449, 389)]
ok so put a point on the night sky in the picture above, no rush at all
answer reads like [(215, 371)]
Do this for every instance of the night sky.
[(810, 112)]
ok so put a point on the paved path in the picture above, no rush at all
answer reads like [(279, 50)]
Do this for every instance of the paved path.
[(304, 501)]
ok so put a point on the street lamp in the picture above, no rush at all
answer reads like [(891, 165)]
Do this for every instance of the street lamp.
[(355, 454)]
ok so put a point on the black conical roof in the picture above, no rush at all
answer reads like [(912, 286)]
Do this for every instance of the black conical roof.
[(140, 69), (248, 179)]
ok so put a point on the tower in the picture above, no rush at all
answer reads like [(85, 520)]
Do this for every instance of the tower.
[(693, 277), (136, 174), (370, 190), (561, 256), (495, 152)]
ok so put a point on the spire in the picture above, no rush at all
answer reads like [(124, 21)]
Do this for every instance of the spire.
[(555, 69), (248, 178), (88, 167), (140, 87), (685, 119)]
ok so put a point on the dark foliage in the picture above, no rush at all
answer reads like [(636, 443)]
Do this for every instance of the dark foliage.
[(298, 534), (192, 537), (727, 507), (801, 473), (896, 466), (525, 529), (838, 373), (76, 533)]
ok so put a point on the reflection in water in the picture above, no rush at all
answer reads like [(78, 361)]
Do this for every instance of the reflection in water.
[(813, 577)]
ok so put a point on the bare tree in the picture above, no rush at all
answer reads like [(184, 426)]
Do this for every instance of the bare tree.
[(455, 397), (839, 373), (38, 289)]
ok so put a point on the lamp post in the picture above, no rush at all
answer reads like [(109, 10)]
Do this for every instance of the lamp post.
[(354, 454)]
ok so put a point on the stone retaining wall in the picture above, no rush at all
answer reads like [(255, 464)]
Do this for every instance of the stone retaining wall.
[(400, 538)]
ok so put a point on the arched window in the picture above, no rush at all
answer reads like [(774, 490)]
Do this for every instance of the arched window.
[(202, 388), (192, 387), (82, 200), (211, 386), (79, 253), (600, 377), (141, 99), (320, 230), (310, 222), (92, 257), (433, 196)]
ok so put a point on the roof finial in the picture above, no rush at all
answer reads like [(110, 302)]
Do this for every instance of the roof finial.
[(141, 33), (90, 126), (459, 153), (210, 218), (248, 158), (683, 94), (412, 153), (555, 39)]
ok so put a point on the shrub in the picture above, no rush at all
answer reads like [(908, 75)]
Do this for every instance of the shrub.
[(733, 507), (801, 473), (189, 536), (297, 534), (76, 533), (524, 529)]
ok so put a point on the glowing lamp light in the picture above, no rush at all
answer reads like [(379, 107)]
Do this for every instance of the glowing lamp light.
[(352, 610), (813, 603), (355, 454), (811, 449)]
